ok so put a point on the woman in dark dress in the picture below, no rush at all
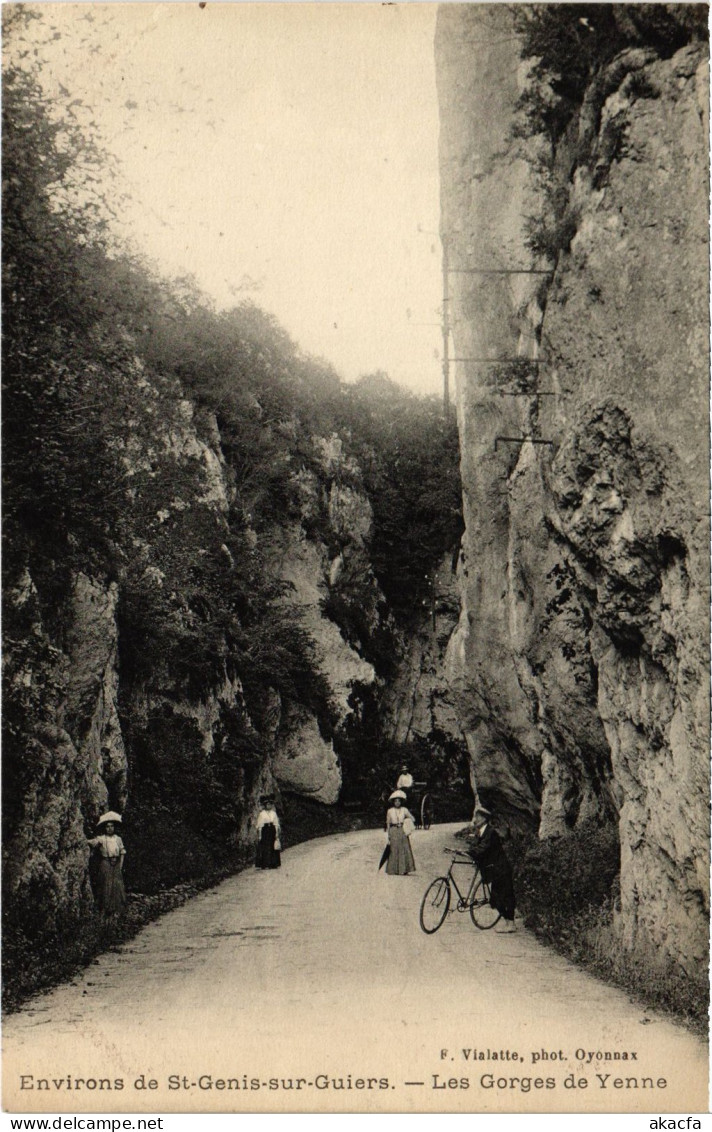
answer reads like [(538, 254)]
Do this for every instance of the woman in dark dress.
[(486, 848), (268, 834)]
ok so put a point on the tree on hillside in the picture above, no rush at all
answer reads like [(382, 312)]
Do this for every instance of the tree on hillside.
[(59, 372), (410, 455)]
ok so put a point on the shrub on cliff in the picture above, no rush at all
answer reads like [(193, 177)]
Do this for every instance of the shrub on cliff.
[(578, 55), (559, 877), (569, 44)]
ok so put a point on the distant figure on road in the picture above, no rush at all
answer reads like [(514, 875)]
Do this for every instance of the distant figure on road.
[(486, 848), (405, 781), (269, 841), (109, 848), (399, 826)]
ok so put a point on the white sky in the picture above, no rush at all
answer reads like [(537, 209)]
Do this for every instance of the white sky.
[(290, 144)]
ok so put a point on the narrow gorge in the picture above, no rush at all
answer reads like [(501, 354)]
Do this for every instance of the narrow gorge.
[(228, 571)]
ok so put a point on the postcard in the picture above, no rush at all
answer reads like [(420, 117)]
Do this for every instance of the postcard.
[(356, 558)]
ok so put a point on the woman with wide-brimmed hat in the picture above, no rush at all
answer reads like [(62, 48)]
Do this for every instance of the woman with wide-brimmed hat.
[(269, 835), (399, 826), (109, 848)]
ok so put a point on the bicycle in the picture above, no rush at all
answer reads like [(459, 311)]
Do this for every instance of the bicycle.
[(435, 904)]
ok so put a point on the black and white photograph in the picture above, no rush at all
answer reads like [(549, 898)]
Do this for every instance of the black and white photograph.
[(356, 558)]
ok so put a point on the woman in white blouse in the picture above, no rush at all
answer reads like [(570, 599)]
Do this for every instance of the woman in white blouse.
[(109, 848), (399, 826), (269, 841)]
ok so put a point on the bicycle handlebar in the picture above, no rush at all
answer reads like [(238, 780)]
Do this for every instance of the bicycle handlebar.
[(463, 852)]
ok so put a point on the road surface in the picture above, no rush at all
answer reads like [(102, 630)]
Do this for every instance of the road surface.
[(313, 988)]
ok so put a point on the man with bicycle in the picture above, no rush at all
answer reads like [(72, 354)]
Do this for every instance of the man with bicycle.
[(485, 847)]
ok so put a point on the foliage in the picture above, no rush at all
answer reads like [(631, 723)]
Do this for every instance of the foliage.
[(410, 458), (576, 56), (569, 44), (35, 962), (548, 239), (52, 423), (567, 890), (371, 762), (565, 875)]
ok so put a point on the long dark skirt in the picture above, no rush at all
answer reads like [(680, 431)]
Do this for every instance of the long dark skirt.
[(501, 888), (400, 861), (267, 856), (111, 894)]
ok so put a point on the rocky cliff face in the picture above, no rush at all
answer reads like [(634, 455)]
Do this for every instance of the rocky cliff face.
[(102, 713), (305, 759), (70, 760), (579, 297), (419, 704)]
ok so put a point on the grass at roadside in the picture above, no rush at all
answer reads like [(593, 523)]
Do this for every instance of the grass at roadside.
[(29, 970), (568, 893)]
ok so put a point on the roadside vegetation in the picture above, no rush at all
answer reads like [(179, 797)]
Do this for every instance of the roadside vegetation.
[(568, 892)]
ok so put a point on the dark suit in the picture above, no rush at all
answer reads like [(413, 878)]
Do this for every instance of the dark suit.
[(488, 851)]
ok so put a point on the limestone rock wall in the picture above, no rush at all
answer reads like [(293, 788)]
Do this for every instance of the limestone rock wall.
[(92, 727), (305, 760), (419, 703), (65, 750), (580, 661)]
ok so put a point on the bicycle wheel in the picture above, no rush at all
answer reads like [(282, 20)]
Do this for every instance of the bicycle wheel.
[(426, 812), (482, 914), (434, 905)]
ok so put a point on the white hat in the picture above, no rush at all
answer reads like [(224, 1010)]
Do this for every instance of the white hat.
[(397, 794), (109, 816)]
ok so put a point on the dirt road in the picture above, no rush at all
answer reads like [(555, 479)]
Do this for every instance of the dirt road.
[(313, 987)]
